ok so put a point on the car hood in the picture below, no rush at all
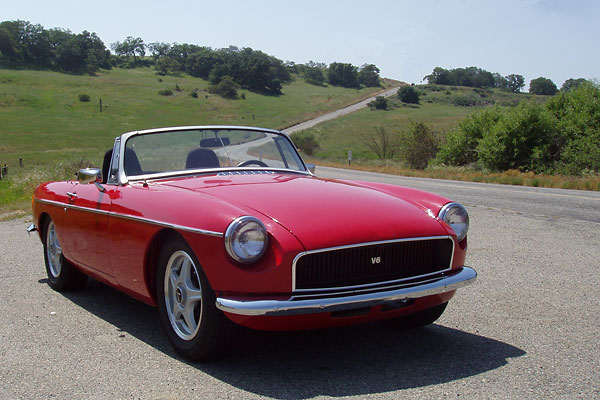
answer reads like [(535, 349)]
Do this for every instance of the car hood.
[(319, 212)]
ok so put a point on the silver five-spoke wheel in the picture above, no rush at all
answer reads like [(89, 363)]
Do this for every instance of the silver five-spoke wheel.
[(186, 304), (62, 275), (183, 295), (53, 251)]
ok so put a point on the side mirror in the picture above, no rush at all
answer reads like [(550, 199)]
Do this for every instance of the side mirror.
[(89, 175), (311, 167)]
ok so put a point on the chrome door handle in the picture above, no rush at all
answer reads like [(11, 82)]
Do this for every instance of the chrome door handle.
[(72, 195)]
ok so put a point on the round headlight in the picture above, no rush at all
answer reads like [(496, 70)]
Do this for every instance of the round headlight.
[(246, 239), (455, 215)]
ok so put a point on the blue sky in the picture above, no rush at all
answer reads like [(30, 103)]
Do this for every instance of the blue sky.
[(556, 39)]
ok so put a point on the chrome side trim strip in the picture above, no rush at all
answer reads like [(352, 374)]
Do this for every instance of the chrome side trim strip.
[(167, 225), (133, 218), (365, 245), (452, 281)]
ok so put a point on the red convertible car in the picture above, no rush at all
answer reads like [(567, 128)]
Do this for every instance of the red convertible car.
[(219, 226)]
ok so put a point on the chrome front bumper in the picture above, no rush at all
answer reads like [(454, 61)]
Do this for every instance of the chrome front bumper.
[(450, 281)]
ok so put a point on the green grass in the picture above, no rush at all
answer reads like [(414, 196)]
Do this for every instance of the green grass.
[(44, 123)]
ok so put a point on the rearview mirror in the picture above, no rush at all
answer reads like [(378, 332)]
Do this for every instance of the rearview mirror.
[(215, 142)]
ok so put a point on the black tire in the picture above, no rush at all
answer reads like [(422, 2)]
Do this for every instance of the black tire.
[(419, 319), (197, 330), (62, 275)]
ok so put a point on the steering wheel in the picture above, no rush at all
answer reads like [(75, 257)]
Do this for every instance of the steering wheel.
[(252, 162)]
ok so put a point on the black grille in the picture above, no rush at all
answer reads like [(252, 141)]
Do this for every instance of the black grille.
[(373, 263)]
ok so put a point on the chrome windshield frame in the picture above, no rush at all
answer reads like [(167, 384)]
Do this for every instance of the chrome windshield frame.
[(123, 179)]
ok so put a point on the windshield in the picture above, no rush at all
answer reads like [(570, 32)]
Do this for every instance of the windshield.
[(197, 149)]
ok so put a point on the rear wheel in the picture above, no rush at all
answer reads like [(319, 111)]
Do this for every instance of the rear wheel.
[(419, 319), (62, 275), (186, 304)]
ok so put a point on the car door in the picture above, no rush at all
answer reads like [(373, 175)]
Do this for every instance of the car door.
[(86, 220)]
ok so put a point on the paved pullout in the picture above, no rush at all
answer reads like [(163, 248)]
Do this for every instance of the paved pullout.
[(528, 328)]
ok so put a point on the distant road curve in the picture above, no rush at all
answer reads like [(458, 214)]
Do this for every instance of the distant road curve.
[(335, 114)]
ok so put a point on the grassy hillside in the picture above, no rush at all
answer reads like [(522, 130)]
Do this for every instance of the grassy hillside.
[(44, 123), (440, 108)]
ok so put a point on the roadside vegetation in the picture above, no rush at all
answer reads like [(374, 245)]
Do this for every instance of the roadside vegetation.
[(470, 133)]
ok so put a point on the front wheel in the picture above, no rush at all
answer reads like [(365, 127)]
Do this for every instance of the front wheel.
[(186, 305), (62, 275), (419, 319)]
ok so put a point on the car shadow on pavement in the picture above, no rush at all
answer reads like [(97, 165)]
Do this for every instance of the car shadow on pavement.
[(350, 361)]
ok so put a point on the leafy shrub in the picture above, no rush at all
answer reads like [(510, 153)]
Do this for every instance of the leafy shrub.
[(306, 142), (226, 88), (418, 145), (380, 103), (465, 100), (165, 92), (408, 94), (461, 143), (84, 98), (578, 114), (524, 139)]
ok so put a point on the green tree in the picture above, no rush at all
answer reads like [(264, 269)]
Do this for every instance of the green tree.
[(201, 63), (438, 76), (514, 83), (368, 75), (542, 86), (131, 46), (418, 145), (408, 94), (159, 49), (340, 74), (313, 75), (500, 81), (571, 84), (470, 76), (80, 53)]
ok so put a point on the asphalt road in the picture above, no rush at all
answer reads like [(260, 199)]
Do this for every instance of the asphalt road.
[(528, 328)]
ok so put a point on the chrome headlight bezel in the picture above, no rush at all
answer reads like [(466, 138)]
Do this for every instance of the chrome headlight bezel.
[(242, 251), (456, 216)]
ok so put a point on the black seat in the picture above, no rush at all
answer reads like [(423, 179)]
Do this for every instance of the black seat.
[(132, 164), (106, 165), (202, 158)]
